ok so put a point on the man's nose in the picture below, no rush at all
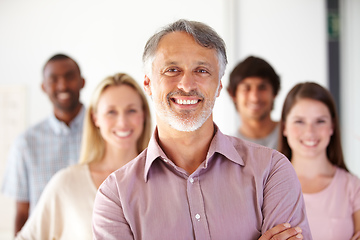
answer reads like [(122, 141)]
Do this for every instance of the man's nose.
[(187, 82), (254, 94), (61, 84)]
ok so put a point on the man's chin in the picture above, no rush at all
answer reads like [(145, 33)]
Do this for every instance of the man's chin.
[(68, 108), (258, 117), (186, 125), (184, 128)]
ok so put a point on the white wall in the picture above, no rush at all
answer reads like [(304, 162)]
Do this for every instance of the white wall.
[(108, 36), (290, 35), (105, 37), (350, 83)]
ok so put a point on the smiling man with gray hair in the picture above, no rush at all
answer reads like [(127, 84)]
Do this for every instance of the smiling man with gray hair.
[(193, 182)]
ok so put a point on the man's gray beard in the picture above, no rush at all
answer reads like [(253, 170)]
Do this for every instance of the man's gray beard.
[(187, 123)]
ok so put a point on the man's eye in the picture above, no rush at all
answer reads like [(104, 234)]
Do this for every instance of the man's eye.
[(245, 88), (70, 76), (52, 80), (263, 87), (171, 71)]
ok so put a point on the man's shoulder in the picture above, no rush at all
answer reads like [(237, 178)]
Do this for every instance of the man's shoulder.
[(133, 170), (41, 126), (35, 131), (254, 153), (243, 144), (127, 176)]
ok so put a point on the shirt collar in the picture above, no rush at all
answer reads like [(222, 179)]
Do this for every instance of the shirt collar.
[(220, 144), (224, 145), (60, 128)]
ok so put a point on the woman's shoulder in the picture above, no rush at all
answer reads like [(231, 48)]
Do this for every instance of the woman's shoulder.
[(352, 187), (347, 176), (69, 174), (348, 181)]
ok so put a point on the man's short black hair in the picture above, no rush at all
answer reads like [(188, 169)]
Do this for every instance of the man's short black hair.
[(61, 56), (253, 67)]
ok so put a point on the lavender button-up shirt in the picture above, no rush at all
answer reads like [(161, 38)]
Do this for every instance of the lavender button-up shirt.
[(240, 190)]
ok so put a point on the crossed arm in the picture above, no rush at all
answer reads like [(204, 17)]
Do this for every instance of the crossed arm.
[(282, 232), (356, 218)]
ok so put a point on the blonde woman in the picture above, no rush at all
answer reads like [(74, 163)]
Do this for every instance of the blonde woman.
[(117, 128)]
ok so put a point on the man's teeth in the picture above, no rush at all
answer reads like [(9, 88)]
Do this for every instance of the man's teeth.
[(122, 133), (186, 102), (63, 96), (310, 143), (254, 106)]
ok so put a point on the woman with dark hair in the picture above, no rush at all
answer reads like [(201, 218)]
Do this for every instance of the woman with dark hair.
[(310, 138)]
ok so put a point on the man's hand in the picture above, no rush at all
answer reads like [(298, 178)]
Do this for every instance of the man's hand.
[(282, 232), (22, 214)]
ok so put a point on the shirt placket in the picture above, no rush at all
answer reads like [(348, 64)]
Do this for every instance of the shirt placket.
[(197, 208)]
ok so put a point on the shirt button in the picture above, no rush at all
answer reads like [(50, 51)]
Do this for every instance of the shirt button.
[(191, 180), (197, 216)]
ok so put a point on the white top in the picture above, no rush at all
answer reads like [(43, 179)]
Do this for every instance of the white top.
[(64, 210), (330, 211)]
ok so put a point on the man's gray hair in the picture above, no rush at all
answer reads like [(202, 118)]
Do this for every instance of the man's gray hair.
[(202, 33)]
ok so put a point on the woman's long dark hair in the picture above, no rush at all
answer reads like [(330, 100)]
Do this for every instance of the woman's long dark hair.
[(311, 90)]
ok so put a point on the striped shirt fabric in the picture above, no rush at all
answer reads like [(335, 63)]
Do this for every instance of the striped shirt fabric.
[(240, 191)]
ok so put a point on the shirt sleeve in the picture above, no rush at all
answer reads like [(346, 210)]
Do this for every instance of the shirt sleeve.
[(356, 193), (283, 199), (15, 183), (108, 217)]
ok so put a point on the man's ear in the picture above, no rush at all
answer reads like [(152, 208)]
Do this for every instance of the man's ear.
[(147, 85), (43, 87), (233, 97), (82, 83), (219, 89)]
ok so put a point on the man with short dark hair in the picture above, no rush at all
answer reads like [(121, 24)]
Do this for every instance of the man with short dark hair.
[(50, 145), (253, 87), (193, 182)]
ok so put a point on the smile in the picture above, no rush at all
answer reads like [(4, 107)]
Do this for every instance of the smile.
[(310, 143), (63, 95), (254, 106), (123, 133), (186, 102)]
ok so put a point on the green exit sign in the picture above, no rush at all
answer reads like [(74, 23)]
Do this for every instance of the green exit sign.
[(333, 26)]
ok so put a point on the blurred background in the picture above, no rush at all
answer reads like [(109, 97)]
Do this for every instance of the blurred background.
[(304, 40)]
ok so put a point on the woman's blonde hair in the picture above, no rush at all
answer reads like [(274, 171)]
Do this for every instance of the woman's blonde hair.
[(93, 145)]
